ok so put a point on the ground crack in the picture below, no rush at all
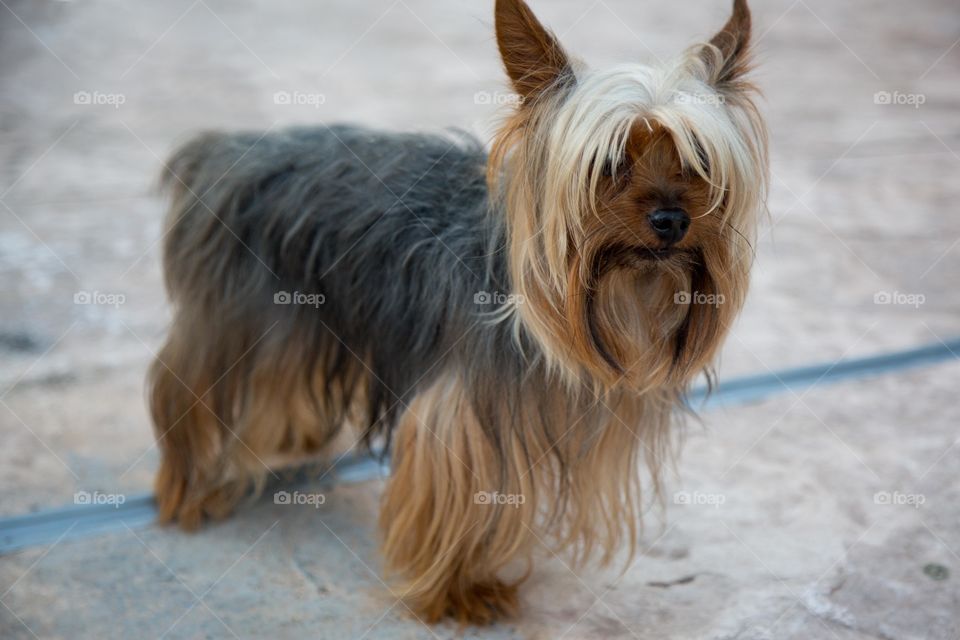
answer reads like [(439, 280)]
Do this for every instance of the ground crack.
[(673, 583)]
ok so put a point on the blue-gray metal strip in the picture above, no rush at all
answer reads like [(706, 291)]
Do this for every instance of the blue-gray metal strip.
[(748, 389)]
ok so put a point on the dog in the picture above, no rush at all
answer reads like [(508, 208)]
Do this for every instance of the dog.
[(517, 324)]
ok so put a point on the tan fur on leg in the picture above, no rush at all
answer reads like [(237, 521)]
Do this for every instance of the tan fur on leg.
[(189, 435), (447, 548), (223, 413)]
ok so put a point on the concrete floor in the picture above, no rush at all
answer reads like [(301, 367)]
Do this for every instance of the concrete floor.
[(863, 202)]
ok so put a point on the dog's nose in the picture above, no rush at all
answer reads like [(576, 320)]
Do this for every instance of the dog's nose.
[(670, 225)]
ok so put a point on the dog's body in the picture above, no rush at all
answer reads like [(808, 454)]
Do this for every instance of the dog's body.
[(512, 319), (388, 233)]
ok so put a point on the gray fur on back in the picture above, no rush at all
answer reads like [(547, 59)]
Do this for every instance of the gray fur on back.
[(394, 230)]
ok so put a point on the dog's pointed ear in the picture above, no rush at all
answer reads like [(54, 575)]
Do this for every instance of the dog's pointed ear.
[(534, 59), (728, 58)]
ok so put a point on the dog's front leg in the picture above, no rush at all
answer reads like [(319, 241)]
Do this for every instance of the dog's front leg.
[(457, 511)]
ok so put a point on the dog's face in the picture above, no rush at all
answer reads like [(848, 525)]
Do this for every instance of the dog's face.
[(631, 195), (651, 198)]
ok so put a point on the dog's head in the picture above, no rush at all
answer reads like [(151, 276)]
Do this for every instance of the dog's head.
[(631, 196)]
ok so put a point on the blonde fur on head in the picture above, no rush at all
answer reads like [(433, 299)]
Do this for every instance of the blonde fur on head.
[(547, 165)]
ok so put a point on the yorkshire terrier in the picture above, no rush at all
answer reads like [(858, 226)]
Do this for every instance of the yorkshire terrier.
[(523, 321)]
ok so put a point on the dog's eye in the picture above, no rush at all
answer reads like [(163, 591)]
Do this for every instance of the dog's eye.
[(617, 169)]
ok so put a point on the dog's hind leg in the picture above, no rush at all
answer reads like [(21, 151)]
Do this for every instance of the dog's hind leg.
[(183, 386), (226, 404)]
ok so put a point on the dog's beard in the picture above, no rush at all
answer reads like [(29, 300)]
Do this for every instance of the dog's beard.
[(653, 318)]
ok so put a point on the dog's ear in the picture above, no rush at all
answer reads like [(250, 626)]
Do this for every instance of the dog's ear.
[(535, 61), (728, 58)]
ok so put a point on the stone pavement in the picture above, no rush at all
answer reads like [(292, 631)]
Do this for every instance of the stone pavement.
[(829, 515)]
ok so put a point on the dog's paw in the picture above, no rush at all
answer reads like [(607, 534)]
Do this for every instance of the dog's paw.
[(486, 603), (478, 604)]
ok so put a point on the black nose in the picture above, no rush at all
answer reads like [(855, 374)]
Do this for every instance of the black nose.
[(670, 225)]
